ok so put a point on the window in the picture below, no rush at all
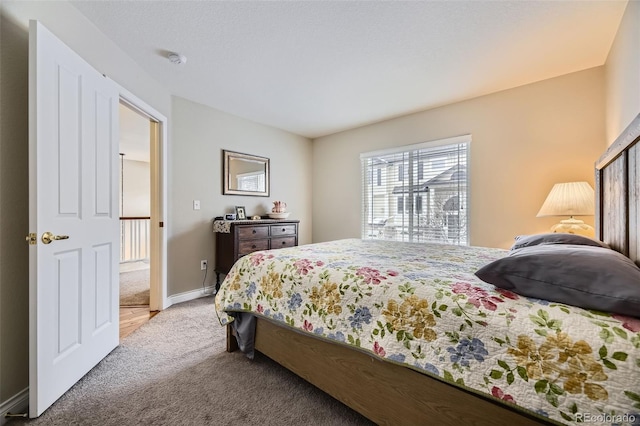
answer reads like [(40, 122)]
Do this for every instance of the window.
[(424, 195), (252, 181)]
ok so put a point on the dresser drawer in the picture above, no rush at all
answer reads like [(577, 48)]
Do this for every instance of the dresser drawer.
[(282, 230), (249, 246), (281, 242), (253, 232)]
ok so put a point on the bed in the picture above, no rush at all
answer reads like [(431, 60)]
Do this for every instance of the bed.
[(408, 334)]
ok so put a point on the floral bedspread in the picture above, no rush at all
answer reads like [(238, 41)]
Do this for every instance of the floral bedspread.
[(423, 307)]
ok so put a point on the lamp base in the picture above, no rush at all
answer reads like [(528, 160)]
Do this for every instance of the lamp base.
[(573, 226)]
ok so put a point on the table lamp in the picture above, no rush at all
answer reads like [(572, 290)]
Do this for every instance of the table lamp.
[(570, 199)]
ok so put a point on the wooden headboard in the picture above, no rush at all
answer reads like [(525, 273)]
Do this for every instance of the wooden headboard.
[(618, 193)]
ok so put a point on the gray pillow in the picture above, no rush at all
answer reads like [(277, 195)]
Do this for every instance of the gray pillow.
[(586, 276), (555, 238)]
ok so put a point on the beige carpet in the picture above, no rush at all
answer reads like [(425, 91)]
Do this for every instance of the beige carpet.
[(134, 288), (174, 371)]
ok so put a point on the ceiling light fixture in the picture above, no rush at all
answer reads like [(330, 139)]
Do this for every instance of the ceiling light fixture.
[(177, 58)]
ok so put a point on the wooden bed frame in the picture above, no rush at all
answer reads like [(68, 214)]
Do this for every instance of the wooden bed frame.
[(390, 394)]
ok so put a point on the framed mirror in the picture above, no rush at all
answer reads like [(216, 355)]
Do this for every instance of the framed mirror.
[(245, 174)]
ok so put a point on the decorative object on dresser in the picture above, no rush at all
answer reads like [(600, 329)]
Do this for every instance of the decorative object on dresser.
[(279, 210), (570, 199), (237, 238), (244, 174)]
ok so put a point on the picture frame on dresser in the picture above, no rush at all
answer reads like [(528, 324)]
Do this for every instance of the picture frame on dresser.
[(241, 213)]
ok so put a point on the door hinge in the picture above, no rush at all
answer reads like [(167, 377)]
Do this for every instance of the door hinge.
[(161, 224), (32, 239)]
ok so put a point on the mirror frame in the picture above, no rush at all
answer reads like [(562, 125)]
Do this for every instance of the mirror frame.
[(226, 187)]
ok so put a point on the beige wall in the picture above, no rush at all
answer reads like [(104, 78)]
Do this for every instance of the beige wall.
[(523, 141), (623, 74), (200, 134), (136, 188)]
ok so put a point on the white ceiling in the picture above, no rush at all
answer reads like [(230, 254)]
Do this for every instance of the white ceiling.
[(318, 67)]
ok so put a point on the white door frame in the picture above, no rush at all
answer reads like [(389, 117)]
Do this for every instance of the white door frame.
[(158, 290)]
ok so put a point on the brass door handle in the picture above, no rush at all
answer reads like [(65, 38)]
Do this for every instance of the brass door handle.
[(47, 237)]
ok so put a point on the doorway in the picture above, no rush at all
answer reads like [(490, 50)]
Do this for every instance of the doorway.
[(135, 218), (141, 284)]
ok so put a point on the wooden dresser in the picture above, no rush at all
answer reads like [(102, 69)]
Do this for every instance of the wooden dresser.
[(234, 239)]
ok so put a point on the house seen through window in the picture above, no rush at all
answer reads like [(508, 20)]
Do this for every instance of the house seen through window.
[(417, 193)]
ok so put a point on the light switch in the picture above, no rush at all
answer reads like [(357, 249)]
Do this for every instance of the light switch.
[(196, 204)]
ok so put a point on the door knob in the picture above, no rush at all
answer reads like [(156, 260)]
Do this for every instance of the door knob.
[(47, 237)]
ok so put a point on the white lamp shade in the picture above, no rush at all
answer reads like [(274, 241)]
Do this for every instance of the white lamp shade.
[(569, 199)]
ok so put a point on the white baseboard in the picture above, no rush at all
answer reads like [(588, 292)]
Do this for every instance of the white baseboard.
[(19, 403), (190, 295)]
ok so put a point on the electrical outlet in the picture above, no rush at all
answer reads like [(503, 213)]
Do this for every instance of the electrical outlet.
[(203, 265)]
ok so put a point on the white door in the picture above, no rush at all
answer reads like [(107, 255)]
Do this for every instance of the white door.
[(73, 184)]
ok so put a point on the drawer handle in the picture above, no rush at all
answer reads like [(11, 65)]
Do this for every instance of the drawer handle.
[(284, 242), (254, 231), (284, 229), (253, 246)]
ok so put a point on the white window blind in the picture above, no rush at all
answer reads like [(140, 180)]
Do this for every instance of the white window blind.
[(252, 181), (417, 193)]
